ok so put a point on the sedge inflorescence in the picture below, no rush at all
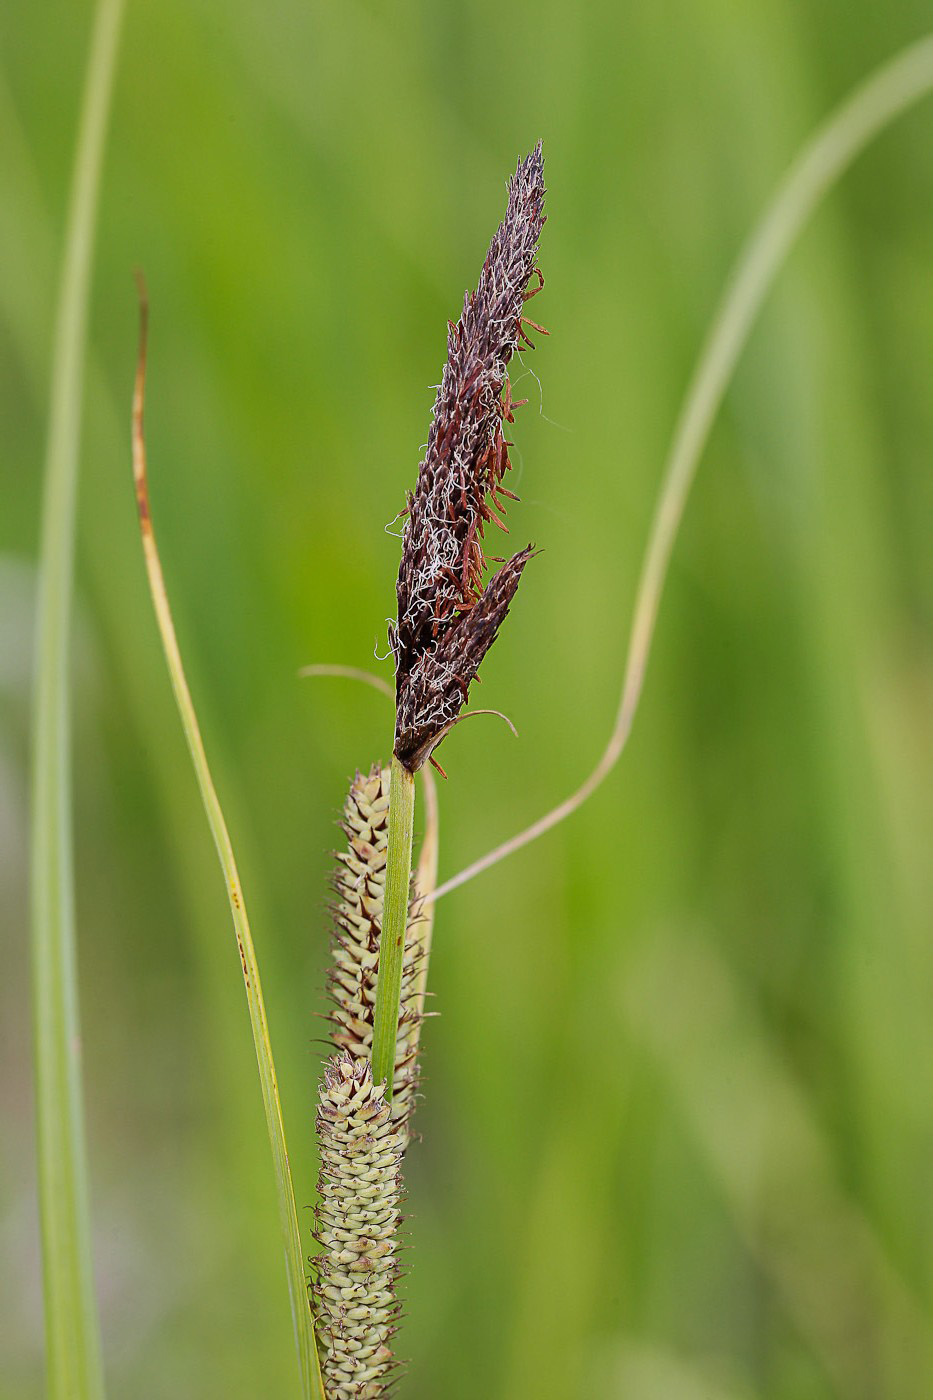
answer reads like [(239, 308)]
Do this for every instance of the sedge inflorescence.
[(359, 885), (362, 1137), (447, 617), (357, 1228)]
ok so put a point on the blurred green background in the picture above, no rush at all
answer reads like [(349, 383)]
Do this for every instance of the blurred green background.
[(677, 1126)]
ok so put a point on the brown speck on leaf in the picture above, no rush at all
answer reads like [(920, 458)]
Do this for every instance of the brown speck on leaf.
[(448, 615)]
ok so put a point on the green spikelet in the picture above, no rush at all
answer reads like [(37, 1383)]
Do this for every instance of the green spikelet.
[(357, 1222), (359, 885)]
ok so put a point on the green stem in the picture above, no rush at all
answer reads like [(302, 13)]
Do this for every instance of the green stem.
[(425, 884), (394, 924), (71, 1320)]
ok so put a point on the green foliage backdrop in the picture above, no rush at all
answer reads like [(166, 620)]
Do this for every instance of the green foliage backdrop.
[(677, 1124)]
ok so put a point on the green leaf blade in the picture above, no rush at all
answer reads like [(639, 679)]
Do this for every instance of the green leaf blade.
[(73, 1350), (309, 1365)]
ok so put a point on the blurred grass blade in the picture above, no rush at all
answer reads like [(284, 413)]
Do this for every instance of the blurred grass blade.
[(351, 673), (71, 1320), (887, 93), (764, 1145), (301, 1312)]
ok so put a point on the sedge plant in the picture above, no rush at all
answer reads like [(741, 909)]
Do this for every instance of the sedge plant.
[(449, 614), (448, 617)]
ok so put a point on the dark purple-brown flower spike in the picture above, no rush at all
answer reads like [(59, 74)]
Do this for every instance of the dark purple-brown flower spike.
[(448, 616)]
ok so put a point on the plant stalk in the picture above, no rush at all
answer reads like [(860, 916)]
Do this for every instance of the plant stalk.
[(71, 1318), (394, 924)]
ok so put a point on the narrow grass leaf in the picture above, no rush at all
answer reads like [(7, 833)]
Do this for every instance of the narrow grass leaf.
[(884, 95), (312, 1385), (73, 1352)]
